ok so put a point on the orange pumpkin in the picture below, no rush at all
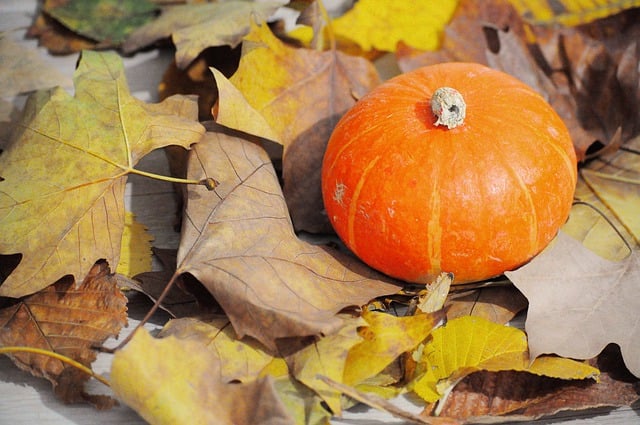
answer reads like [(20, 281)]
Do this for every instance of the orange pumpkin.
[(412, 197)]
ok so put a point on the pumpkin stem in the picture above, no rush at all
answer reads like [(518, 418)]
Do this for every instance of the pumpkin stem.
[(448, 106)]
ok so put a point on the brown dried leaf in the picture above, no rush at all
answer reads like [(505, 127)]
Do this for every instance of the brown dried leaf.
[(69, 321), (579, 302), (301, 94), (497, 304), (238, 241), (495, 397)]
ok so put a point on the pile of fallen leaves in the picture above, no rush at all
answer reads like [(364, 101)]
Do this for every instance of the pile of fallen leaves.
[(270, 328)]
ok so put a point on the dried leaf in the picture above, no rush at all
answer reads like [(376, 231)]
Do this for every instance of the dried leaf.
[(238, 241), (179, 302), (57, 38), (327, 357), (106, 21), (518, 396), (135, 251), (21, 69), (64, 173), (194, 27), (380, 24), (239, 360), (384, 339), (470, 344), (170, 379), (498, 304), (566, 12), (69, 321), (301, 94), (579, 302)]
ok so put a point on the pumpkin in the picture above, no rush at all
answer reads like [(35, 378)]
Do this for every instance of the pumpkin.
[(474, 179)]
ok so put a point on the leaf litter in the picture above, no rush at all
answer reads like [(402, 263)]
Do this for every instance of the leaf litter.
[(299, 340)]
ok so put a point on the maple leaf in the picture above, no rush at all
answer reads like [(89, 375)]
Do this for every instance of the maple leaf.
[(167, 380), (380, 25), (580, 302), (69, 321), (469, 344), (195, 27), (237, 240), (64, 172), (299, 94)]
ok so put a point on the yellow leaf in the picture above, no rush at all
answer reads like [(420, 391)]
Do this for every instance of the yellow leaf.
[(172, 380), (240, 360), (135, 247), (569, 12), (64, 173), (327, 357), (382, 24), (384, 339), (469, 344), (295, 89)]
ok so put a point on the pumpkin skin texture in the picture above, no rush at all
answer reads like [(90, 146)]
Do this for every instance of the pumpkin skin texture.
[(412, 199)]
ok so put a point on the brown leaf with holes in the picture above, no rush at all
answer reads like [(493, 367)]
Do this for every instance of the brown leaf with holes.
[(238, 241), (495, 397), (69, 321)]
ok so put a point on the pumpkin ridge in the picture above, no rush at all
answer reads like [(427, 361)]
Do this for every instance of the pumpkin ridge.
[(354, 202)]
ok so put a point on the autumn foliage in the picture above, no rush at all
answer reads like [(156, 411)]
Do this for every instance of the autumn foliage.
[(272, 323)]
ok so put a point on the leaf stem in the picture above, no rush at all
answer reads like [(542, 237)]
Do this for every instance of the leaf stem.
[(209, 183), (64, 359)]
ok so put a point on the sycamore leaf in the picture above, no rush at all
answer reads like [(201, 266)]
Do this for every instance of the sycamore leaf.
[(567, 12), (108, 21), (470, 344), (21, 69), (237, 240), (579, 302), (239, 359), (302, 403), (194, 27), (64, 173), (327, 357), (300, 94), (381, 24), (135, 251), (169, 380), (69, 321)]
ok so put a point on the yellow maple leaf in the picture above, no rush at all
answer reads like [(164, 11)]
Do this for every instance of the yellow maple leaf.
[(382, 24), (64, 172), (469, 344), (173, 380), (135, 247)]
